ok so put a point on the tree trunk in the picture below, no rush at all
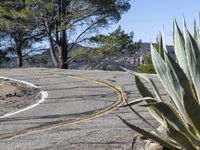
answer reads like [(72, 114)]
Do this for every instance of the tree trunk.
[(63, 36), (18, 39), (63, 52), (51, 46), (19, 57), (52, 52)]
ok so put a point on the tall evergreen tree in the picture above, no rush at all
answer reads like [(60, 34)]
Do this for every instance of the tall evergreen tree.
[(70, 21), (16, 27), (114, 43)]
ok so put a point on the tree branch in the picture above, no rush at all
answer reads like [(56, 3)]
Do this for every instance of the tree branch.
[(33, 36), (48, 32), (76, 41), (27, 53)]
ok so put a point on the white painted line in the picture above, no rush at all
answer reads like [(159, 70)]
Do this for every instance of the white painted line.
[(44, 95)]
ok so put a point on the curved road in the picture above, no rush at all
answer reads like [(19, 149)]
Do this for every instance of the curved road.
[(70, 113)]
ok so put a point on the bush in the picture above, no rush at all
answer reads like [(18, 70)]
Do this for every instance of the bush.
[(147, 67)]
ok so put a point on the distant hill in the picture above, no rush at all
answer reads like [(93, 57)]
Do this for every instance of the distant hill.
[(127, 59)]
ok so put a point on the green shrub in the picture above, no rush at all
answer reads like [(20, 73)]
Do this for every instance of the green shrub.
[(147, 67), (181, 79)]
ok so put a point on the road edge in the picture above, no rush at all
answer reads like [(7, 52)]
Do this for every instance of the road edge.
[(43, 96)]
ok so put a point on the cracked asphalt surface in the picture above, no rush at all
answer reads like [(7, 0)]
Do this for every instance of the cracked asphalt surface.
[(69, 99)]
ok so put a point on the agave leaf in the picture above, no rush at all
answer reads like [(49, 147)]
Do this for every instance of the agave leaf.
[(169, 113), (139, 100), (172, 74), (184, 83), (179, 49), (155, 113), (181, 79), (190, 102), (174, 118), (155, 89), (146, 93), (163, 41), (180, 137), (173, 77), (181, 76), (193, 55), (192, 129), (163, 141), (140, 116), (161, 69), (161, 49), (143, 119), (142, 88), (196, 34)]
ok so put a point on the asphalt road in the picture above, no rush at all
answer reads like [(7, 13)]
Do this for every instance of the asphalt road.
[(56, 124)]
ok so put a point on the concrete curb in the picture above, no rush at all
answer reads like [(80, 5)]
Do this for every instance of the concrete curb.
[(43, 96)]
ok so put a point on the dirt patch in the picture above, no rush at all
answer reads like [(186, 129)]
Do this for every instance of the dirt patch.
[(15, 96)]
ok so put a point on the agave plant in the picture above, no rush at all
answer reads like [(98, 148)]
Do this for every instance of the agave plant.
[(181, 79)]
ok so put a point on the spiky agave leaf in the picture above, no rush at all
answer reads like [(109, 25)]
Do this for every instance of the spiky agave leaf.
[(196, 34), (150, 81), (193, 55), (192, 109), (162, 71), (158, 138), (181, 80), (173, 116), (179, 49), (180, 137), (146, 93)]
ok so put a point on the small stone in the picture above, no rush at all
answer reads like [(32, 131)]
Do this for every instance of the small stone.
[(141, 142), (152, 146)]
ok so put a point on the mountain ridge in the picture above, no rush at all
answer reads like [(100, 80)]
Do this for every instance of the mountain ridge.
[(127, 59)]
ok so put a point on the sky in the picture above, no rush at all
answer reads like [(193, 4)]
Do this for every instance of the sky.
[(147, 18)]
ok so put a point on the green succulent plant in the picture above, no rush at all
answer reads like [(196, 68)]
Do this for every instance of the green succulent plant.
[(181, 79)]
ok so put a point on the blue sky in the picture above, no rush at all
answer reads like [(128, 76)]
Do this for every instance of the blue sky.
[(147, 17)]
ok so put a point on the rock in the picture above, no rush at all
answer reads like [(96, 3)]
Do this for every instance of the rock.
[(141, 142), (138, 142), (152, 146)]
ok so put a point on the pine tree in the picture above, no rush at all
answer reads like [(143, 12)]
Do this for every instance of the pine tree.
[(70, 21), (67, 21), (114, 43), (16, 27)]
